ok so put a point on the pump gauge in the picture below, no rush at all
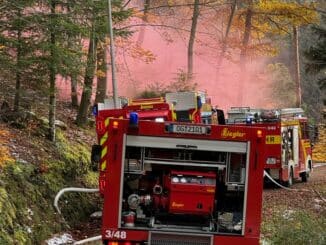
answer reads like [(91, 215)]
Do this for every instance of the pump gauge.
[(175, 180)]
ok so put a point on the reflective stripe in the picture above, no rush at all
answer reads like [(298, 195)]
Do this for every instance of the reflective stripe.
[(104, 151), (174, 116), (104, 138), (192, 117), (103, 166), (106, 123)]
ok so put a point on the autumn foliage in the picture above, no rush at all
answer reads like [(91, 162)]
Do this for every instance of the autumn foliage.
[(319, 151), (4, 150)]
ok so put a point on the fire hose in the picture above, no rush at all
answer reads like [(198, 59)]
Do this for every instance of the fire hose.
[(278, 184), (70, 189), (91, 239), (290, 189), (75, 189), (96, 238)]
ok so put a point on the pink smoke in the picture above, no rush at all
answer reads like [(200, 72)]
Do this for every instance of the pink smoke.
[(134, 75)]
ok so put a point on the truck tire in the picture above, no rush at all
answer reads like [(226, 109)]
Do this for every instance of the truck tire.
[(290, 181), (304, 176)]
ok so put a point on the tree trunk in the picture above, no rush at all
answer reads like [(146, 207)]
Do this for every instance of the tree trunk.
[(147, 4), (88, 80), (74, 95), (18, 72), (297, 77), (225, 38), (101, 79), (141, 35), (192, 40), (73, 77), (246, 36), (52, 70), (243, 53)]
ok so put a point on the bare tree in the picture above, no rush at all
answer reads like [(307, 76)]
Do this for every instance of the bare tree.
[(225, 38), (244, 49), (88, 80), (296, 65), (53, 72), (192, 40), (101, 77), (73, 75)]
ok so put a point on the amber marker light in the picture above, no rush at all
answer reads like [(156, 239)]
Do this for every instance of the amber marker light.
[(115, 124), (259, 133)]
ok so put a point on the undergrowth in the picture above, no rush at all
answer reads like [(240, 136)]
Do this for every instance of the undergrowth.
[(27, 192), (299, 227)]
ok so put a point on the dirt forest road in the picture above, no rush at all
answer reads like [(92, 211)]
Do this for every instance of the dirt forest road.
[(310, 195), (296, 216)]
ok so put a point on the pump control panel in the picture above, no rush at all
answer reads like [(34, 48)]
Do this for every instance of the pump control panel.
[(192, 192)]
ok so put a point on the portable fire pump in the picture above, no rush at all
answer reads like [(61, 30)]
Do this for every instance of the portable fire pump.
[(288, 140), (172, 182)]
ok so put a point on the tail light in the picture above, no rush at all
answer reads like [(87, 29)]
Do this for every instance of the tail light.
[(123, 243)]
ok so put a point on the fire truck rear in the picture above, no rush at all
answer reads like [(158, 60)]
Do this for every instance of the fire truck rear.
[(178, 183), (288, 137)]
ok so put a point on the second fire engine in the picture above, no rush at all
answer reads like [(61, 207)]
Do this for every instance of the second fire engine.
[(289, 149)]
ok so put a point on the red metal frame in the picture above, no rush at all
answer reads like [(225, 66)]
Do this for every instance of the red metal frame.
[(111, 175)]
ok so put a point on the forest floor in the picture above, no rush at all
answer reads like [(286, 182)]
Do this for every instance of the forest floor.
[(297, 216)]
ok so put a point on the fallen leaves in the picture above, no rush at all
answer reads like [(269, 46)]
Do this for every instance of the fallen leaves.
[(4, 150)]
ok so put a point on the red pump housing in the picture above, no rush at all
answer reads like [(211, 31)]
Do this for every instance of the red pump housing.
[(192, 192)]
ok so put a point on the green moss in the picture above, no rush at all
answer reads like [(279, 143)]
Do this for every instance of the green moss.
[(76, 157), (25, 205), (7, 211), (27, 215), (21, 237), (5, 238), (91, 179)]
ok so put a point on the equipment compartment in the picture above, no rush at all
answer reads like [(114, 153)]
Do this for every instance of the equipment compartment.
[(183, 188)]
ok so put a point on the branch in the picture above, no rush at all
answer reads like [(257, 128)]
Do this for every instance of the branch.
[(282, 14), (182, 5), (159, 25), (314, 9), (126, 4), (277, 25)]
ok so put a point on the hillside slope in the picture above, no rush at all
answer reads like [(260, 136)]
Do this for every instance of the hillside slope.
[(33, 170)]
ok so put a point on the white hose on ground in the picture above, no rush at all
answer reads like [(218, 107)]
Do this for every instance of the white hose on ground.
[(276, 183), (91, 239), (70, 189), (282, 186), (290, 189)]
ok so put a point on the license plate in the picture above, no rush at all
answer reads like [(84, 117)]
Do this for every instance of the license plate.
[(188, 129)]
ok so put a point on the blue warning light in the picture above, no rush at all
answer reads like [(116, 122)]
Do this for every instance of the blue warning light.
[(133, 119), (95, 110)]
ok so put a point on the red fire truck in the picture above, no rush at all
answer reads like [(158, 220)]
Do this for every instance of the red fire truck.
[(289, 151), (171, 182), (180, 106)]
